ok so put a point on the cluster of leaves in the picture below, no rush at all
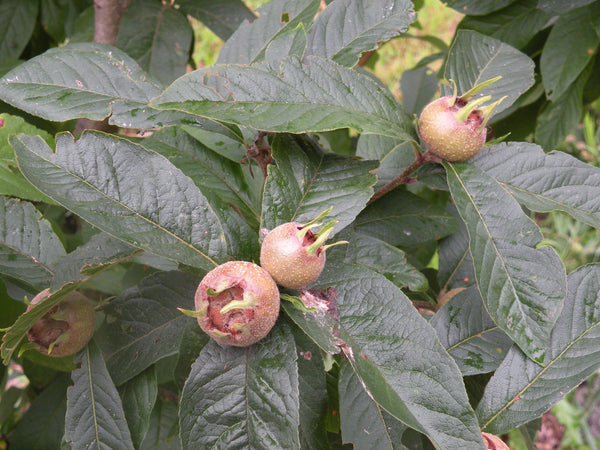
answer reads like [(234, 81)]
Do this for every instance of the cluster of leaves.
[(136, 221)]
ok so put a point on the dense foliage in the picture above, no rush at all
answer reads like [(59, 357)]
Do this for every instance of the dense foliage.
[(444, 315)]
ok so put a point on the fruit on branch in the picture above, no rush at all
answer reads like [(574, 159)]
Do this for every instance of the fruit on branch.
[(454, 128), (237, 303), (66, 328), (294, 254)]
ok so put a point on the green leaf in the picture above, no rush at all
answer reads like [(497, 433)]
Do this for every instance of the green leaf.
[(101, 250), (58, 17), (560, 117), (129, 192), (516, 24), (364, 423), (300, 184), (222, 17), (394, 155), (563, 57), (43, 424), (193, 340), (487, 58), (17, 21), (477, 7), (138, 396), (347, 28), (158, 37), (290, 42), (469, 334), (224, 139), (145, 324), (163, 430), (418, 87), (558, 7), (385, 259), (320, 326), (398, 356), (545, 181), (12, 182), (523, 287), (76, 80), (313, 95), (521, 390), (402, 218), (28, 245), (243, 397), (249, 42), (95, 415)]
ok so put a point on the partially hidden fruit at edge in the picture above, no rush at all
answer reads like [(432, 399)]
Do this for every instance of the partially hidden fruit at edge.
[(66, 328), (294, 254), (237, 303), (453, 128)]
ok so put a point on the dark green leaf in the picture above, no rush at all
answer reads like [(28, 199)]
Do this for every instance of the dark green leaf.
[(474, 58), (418, 88), (28, 245), (222, 17), (225, 139), (193, 340), (87, 259), (545, 181), (516, 24), (76, 80), (477, 7), (402, 218), (455, 261), (521, 390), (469, 334), (42, 426), (12, 182), (364, 423), (290, 42), (319, 326), (163, 430), (300, 184), (158, 37), (249, 42), (315, 95), (394, 155), (17, 20), (523, 287), (243, 397), (563, 57), (560, 6), (138, 396), (347, 28), (128, 192), (58, 17), (145, 323), (398, 356), (95, 415)]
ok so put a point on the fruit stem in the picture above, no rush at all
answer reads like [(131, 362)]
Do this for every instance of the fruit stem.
[(321, 238), (463, 113), (475, 89), (249, 300)]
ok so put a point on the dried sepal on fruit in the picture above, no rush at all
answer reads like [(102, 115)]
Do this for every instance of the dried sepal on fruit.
[(65, 329), (237, 303)]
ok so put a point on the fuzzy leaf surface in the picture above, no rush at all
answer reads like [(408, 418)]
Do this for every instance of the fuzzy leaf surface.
[(29, 247), (158, 37), (347, 28), (76, 80), (138, 396), (488, 57), (313, 95), (95, 415), (163, 430), (394, 155), (127, 191), (222, 17), (143, 316), (521, 390), (300, 184), (17, 21), (249, 42), (243, 397), (523, 287), (469, 334), (545, 181), (395, 353)]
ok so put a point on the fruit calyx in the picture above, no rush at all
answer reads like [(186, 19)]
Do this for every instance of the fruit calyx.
[(454, 127)]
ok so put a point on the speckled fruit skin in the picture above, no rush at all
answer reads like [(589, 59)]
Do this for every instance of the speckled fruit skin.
[(447, 137), (242, 326), (70, 325), (285, 257)]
